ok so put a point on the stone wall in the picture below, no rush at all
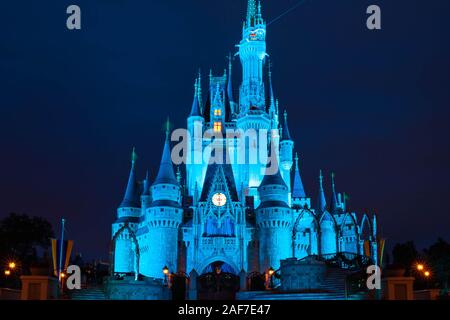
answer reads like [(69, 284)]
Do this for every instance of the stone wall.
[(305, 274), (129, 289)]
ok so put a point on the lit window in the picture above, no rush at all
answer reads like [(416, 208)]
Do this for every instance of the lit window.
[(217, 112), (217, 126)]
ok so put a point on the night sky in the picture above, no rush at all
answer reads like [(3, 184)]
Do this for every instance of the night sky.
[(371, 106)]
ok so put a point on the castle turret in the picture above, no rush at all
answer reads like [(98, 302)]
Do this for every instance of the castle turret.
[(334, 205), (233, 105), (194, 158), (128, 213), (163, 219), (252, 52), (273, 110), (145, 195), (321, 202), (273, 219), (299, 198), (286, 150)]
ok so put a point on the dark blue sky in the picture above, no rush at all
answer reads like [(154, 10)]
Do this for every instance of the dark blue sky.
[(371, 106)]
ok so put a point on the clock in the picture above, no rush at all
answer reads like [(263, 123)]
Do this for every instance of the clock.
[(219, 199)]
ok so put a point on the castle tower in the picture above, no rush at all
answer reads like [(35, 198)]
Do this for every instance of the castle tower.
[(321, 202), (163, 219), (286, 150), (195, 123), (128, 214), (334, 205), (146, 198), (273, 110), (233, 105), (299, 198), (252, 52), (274, 221)]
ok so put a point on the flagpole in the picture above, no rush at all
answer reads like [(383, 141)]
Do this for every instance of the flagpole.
[(61, 248)]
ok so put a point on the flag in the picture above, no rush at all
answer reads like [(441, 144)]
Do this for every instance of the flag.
[(381, 243), (367, 248), (66, 252)]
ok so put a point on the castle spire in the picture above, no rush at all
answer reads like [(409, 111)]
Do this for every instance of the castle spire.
[(230, 82), (272, 96), (166, 174), (131, 197), (285, 132), (199, 90), (146, 189), (251, 10), (333, 203), (273, 178), (321, 202), (195, 110), (298, 191)]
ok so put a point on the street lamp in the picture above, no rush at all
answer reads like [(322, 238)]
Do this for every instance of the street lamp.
[(7, 272), (420, 267), (270, 272), (427, 274), (166, 273), (12, 265)]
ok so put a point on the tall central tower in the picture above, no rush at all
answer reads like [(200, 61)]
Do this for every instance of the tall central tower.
[(252, 52)]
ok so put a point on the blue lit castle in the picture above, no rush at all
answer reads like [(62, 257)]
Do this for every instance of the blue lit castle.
[(233, 217)]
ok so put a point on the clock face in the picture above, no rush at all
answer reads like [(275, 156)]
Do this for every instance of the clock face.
[(219, 199)]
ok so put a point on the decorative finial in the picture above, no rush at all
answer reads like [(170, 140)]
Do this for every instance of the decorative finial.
[(133, 156), (320, 177), (285, 115), (167, 128), (296, 161), (195, 87), (269, 66), (178, 175), (332, 179)]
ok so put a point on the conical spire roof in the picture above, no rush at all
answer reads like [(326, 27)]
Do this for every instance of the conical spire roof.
[(195, 110), (251, 9), (166, 174), (285, 134), (333, 202), (146, 188), (230, 80), (321, 202), (298, 191), (131, 197), (272, 107), (273, 179)]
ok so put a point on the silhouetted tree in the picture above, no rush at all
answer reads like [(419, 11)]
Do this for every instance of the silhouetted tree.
[(21, 236), (438, 258), (404, 255)]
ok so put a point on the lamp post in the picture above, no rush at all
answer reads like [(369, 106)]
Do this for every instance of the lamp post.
[(166, 273), (271, 272)]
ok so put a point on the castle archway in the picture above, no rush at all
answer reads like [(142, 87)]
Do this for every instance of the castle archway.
[(218, 281)]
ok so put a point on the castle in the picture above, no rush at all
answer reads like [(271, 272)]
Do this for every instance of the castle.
[(238, 216)]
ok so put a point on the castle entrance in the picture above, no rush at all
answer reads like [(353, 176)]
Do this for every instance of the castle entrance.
[(218, 282)]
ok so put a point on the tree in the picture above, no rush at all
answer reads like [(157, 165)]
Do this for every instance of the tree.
[(405, 254), (438, 257), (21, 236)]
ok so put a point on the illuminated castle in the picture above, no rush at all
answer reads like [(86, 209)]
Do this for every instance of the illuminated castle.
[(236, 215)]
